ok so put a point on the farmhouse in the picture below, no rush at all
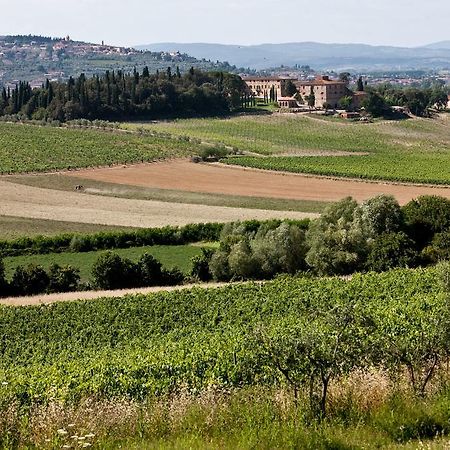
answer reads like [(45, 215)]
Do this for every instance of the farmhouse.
[(261, 87), (325, 90)]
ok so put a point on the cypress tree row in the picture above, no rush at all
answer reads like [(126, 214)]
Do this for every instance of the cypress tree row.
[(116, 95)]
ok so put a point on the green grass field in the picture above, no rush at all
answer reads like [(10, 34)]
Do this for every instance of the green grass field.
[(30, 148), (170, 256), (416, 150)]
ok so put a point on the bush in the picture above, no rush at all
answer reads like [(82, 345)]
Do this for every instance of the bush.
[(200, 265), (425, 217), (4, 288), (63, 279), (110, 271), (391, 250), (29, 280), (172, 277), (215, 152), (439, 249), (150, 271)]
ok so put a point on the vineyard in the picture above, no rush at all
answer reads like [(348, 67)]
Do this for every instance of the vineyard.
[(422, 168), (167, 349), (142, 346), (30, 148), (415, 150)]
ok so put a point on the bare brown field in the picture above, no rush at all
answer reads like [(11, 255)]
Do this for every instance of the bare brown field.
[(183, 175), (32, 202)]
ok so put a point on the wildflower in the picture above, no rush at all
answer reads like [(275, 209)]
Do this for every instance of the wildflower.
[(74, 437), (71, 425), (86, 444), (62, 432), (81, 438), (90, 435), (66, 446), (4, 383)]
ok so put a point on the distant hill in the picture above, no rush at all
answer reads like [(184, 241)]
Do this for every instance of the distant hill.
[(36, 58), (317, 55), (439, 45)]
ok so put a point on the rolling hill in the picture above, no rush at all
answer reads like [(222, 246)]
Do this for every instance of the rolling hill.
[(35, 58), (318, 55)]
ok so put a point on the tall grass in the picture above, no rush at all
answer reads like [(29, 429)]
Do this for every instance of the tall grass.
[(366, 411)]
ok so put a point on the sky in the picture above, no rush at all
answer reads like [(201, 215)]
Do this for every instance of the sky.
[(134, 22)]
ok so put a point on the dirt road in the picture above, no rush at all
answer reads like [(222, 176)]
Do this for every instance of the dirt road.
[(92, 295), (214, 178), (31, 202)]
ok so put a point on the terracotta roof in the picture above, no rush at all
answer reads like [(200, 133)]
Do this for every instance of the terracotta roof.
[(320, 83), (265, 78)]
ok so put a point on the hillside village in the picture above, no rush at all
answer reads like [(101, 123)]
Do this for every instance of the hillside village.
[(35, 59)]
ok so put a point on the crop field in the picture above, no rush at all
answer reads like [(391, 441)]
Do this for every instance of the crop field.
[(30, 148), (13, 227), (170, 256), (192, 343), (415, 150), (142, 345)]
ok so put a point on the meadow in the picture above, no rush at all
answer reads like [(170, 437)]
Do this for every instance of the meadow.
[(200, 367), (32, 148), (170, 256), (414, 150)]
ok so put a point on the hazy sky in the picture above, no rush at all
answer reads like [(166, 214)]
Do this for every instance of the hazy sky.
[(132, 22)]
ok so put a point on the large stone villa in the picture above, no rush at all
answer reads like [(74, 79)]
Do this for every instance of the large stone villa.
[(326, 91)]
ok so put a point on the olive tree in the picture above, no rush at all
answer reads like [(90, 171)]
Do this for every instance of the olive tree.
[(337, 245), (321, 345)]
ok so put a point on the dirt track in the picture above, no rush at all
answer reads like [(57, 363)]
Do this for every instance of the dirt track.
[(93, 295), (186, 176), (31, 202)]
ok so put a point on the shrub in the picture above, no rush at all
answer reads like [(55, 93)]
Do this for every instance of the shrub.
[(213, 152), (150, 271), (63, 279), (439, 249), (425, 217), (4, 288), (172, 277), (110, 271), (29, 280), (391, 250), (200, 265)]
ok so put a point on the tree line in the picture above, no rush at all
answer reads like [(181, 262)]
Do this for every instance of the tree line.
[(418, 101), (377, 235), (118, 95)]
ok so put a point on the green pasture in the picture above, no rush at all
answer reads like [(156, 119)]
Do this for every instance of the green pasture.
[(169, 255)]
